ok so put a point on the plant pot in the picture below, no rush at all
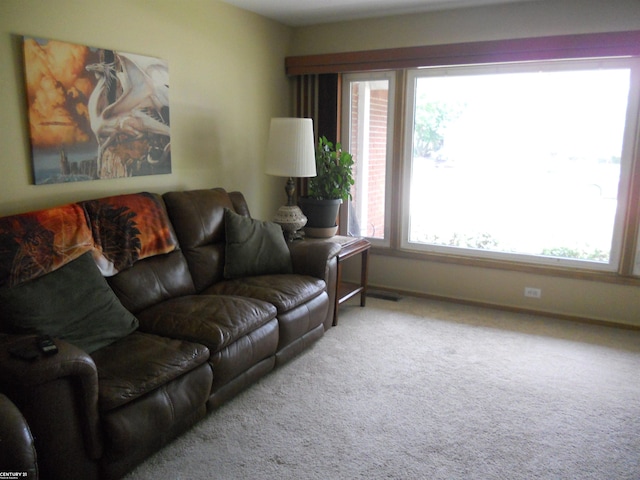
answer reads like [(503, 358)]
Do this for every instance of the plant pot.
[(321, 214), (320, 232)]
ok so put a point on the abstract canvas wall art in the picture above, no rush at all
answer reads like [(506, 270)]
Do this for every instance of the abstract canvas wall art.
[(95, 113)]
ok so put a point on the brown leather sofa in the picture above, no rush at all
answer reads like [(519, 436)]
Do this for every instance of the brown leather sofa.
[(202, 336)]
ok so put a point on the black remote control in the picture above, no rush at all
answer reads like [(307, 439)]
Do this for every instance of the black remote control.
[(46, 345)]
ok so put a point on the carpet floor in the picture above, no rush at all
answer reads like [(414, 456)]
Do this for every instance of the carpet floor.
[(420, 389)]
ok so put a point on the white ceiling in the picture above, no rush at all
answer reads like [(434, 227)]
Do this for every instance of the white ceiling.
[(309, 12)]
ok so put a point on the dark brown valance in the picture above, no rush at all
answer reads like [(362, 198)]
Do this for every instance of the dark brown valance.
[(591, 45)]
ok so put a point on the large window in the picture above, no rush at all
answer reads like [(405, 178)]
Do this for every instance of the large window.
[(527, 162), (518, 154)]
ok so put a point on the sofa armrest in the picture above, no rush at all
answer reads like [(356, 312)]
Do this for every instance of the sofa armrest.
[(17, 451), (313, 258), (62, 384), (320, 260)]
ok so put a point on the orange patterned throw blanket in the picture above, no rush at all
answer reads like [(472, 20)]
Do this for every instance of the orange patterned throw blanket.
[(128, 228), (120, 230), (33, 244)]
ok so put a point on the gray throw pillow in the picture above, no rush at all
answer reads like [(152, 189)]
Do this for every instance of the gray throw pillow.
[(254, 247), (73, 303)]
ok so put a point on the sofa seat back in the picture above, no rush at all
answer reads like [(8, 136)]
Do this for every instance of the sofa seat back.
[(152, 281), (137, 249), (198, 217)]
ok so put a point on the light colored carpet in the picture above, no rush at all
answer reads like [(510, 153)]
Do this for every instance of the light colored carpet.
[(419, 389)]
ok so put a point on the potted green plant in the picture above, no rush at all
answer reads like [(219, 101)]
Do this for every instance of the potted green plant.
[(328, 189)]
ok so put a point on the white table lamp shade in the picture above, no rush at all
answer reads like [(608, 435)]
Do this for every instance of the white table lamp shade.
[(291, 148)]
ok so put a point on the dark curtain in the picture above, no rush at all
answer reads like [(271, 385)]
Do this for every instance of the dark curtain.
[(318, 97)]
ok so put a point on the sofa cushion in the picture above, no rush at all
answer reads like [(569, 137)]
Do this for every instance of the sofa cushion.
[(73, 303), (140, 363), (140, 428), (213, 320), (286, 292), (254, 247)]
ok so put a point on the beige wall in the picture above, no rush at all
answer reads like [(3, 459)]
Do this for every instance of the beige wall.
[(520, 20), (227, 80), (585, 299)]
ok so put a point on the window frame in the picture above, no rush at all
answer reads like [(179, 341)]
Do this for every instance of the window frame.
[(390, 77)]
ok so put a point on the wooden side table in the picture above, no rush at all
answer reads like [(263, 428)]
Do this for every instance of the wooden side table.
[(350, 247)]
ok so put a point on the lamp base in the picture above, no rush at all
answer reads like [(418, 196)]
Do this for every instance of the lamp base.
[(291, 219)]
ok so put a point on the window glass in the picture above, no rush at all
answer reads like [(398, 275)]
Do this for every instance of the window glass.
[(518, 160)]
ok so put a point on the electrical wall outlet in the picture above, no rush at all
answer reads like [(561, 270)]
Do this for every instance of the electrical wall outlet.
[(532, 292)]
